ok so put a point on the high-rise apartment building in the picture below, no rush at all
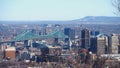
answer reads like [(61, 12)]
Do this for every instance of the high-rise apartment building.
[(102, 44), (113, 43), (99, 44)]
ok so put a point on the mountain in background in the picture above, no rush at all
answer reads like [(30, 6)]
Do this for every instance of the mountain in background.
[(100, 19), (85, 20)]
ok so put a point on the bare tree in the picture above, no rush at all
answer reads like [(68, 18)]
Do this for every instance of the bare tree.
[(116, 4)]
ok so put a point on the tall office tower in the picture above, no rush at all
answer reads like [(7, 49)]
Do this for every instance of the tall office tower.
[(85, 36), (102, 44), (66, 32), (78, 28), (93, 44), (113, 43), (10, 53), (72, 34), (69, 32)]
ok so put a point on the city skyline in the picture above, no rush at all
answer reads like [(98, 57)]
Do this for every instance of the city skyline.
[(17, 10)]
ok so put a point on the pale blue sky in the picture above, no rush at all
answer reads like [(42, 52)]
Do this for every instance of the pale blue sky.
[(54, 9)]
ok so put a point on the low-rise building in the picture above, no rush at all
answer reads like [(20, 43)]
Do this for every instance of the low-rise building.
[(55, 50), (10, 53)]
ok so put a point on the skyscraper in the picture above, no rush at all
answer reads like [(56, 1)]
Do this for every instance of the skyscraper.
[(113, 43), (85, 36), (69, 32), (102, 44), (93, 44)]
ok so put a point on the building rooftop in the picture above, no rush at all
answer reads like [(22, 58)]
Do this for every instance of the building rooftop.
[(10, 49), (53, 46)]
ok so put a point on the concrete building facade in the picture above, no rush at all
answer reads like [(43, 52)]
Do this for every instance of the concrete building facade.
[(113, 44)]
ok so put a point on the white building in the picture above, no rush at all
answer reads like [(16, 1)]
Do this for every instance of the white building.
[(102, 43), (114, 42)]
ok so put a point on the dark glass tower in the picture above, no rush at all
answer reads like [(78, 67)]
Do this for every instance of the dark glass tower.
[(67, 31), (70, 33), (85, 36)]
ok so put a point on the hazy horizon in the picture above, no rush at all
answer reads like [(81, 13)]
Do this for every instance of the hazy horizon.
[(36, 10)]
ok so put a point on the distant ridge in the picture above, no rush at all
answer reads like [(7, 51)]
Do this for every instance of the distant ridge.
[(100, 19), (85, 20)]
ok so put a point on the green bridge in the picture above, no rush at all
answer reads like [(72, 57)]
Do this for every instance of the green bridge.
[(28, 35)]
